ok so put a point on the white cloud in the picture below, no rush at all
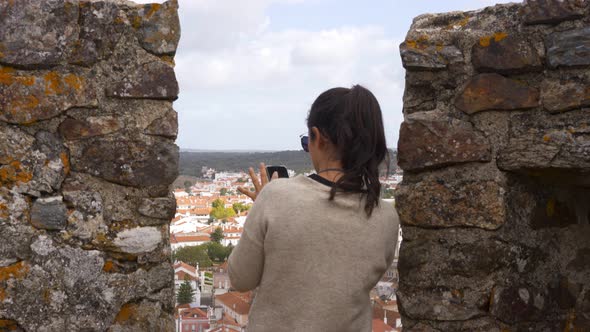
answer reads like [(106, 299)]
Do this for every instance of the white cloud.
[(245, 86)]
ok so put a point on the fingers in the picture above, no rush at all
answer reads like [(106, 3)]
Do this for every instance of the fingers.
[(255, 180), (263, 174), (248, 193), (275, 175)]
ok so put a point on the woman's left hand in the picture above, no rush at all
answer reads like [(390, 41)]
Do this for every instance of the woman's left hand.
[(259, 183)]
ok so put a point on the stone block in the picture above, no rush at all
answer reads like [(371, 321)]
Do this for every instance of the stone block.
[(36, 34), (538, 140), (551, 11), (427, 144), (518, 303), (72, 129), (27, 97), (159, 27), (49, 213), (495, 92), (166, 126), (138, 240), (101, 25), (442, 303), (152, 80), (505, 54), (138, 163), (461, 203), (419, 98), (161, 207), (559, 96), (569, 48), (420, 55)]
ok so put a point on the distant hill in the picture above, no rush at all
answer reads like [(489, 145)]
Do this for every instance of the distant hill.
[(191, 162)]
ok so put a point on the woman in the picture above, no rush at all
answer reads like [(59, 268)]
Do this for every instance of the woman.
[(315, 246)]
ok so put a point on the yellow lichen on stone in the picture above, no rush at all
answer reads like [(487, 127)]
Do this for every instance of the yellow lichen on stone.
[(546, 138), (53, 84), (136, 23), (2, 294), (65, 161), (154, 7), (127, 312), (419, 43), (6, 75), (13, 172), (108, 266), (26, 103), (26, 80), (15, 271), (73, 81), (498, 36)]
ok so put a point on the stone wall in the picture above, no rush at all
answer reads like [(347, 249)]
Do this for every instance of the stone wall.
[(87, 155), (495, 147)]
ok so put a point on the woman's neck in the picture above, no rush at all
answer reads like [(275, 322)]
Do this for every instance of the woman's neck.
[(330, 170)]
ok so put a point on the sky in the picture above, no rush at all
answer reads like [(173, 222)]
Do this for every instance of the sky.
[(249, 70)]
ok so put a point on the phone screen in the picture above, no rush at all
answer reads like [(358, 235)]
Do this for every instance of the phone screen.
[(281, 170)]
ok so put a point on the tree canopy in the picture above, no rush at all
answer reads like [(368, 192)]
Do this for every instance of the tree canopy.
[(217, 235), (193, 255)]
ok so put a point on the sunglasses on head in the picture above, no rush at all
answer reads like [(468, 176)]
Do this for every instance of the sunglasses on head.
[(304, 142)]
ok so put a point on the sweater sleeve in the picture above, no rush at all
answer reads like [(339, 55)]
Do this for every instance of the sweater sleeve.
[(246, 261)]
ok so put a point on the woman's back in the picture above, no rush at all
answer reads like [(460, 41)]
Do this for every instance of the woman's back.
[(314, 259)]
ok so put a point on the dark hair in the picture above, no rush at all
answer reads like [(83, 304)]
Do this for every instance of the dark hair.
[(351, 119)]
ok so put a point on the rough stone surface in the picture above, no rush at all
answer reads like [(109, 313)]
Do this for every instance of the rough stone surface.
[(552, 11), (419, 55), (138, 240), (127, 162), (166, 126), (569, 48), (72, 129), (161, 207), (542, 141), (85, 175), (427, 144), (159, 27), (49, 213), (495, 198), (505, 54), (101, 26), (152, 80), (495, 92), (27, 97), (558, 96), (36, 34), (461, 203)]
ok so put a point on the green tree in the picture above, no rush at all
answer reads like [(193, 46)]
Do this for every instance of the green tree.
[(217, 235), (240, 207), (216, 251), (186, 293), (219, 210), (218, 203), (223, 191), (193, 255)]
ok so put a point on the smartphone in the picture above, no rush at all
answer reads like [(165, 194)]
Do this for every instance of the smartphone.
[(281, 170)]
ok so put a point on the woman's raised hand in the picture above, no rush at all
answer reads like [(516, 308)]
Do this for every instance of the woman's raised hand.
[(259, 183)]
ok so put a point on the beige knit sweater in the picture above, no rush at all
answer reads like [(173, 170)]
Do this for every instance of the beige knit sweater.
[(314, 261)]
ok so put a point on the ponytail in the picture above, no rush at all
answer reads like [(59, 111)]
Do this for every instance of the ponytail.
[(351, 119)]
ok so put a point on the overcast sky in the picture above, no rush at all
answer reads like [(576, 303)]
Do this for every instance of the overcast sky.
[(249, 69)]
